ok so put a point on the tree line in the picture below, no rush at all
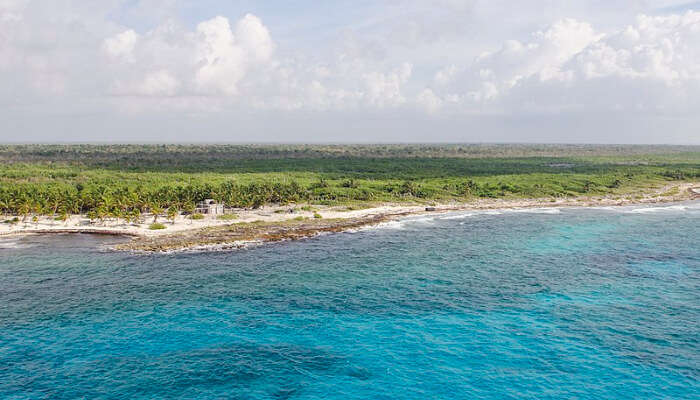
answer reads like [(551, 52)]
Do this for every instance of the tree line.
[(100, 201)]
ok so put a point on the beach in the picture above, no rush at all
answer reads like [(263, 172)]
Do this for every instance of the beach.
[(276, 222)]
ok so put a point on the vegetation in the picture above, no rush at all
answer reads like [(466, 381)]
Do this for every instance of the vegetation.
[(156, 226), (126, 181)]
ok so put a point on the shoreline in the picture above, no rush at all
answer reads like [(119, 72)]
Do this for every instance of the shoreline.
[(281, 223)]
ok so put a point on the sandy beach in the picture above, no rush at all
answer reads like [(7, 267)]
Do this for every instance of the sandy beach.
[(270, 218)]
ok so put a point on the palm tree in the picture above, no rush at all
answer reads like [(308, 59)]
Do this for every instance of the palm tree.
[(107, 206), (102, 213), (5, 205), (25, 208), (189, 208), (156, 210), (54, 200), (172, 214), (135, 214), (64, 216)]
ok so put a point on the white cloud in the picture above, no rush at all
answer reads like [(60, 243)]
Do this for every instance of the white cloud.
[(169, 60), (652, 65), (121, 45), (384, 89), (220, 60), (429, 101), (155, 83), (445, 75), (659, 48), (542, 58), (413, 59), (255, 39)]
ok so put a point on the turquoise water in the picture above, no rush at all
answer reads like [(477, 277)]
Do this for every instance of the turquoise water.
[(544, 304)]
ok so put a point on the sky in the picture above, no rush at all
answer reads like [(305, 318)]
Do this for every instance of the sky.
[(356, 71)]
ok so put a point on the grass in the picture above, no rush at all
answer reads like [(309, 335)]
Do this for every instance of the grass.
[(672, 192), (227, 217), (156, 226)]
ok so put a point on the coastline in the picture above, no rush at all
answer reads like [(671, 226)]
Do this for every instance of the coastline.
[(280, 223)]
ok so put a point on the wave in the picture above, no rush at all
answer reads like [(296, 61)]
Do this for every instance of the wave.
[(381, 225), (536, 210), (604, 208), (12, 244), (458, 216), (429, 220), (650, 210), (396, 224), (420, 219)]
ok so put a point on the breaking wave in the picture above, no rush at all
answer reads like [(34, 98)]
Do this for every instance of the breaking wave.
[(458, 216), (536, 210), (649, 210)]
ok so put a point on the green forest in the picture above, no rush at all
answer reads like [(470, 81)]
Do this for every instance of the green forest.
[(124, 181)]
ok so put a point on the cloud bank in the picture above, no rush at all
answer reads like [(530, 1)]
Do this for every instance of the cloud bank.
[(66, 62)]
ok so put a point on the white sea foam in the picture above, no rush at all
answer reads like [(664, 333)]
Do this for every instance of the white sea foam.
[(420, 220), (458, 216), (382, 225), (15, 243), (210, 248), (428, 220), (536, 210), (11, 244), (396, 224), (650, 210)]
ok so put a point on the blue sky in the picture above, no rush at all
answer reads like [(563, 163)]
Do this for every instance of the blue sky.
[(613, 71)]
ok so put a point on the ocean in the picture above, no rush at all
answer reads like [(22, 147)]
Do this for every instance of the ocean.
[(568, 303)]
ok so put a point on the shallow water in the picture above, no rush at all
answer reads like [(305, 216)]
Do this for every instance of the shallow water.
[(540, 304)]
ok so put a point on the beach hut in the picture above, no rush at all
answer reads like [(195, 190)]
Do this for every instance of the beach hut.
[(209, 206)]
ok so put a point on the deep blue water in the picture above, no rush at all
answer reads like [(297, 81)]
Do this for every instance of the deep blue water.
[(570, 303)]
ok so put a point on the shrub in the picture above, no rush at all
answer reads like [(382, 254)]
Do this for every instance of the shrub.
[(227, 217), (676, 175), (156, 226), (317, 216), (322, 183), (300, 218), (197, 216), (615, 184), (350, 183)]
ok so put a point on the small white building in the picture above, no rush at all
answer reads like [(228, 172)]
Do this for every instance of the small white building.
[(209, 206)]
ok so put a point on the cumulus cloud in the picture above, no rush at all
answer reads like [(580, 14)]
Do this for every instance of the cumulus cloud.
[(121, 45), (650, 65), (384, 89), (169, 60)]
